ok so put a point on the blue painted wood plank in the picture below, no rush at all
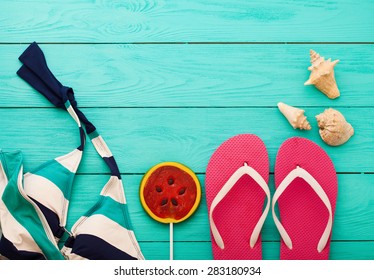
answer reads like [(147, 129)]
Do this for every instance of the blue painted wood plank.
[(351, 233), (142, 137), (192, 75), (200, 94), (186, 21), (353, 218), (203, 251)]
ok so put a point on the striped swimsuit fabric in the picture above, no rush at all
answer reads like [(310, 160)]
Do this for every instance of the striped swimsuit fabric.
[(34, 206)]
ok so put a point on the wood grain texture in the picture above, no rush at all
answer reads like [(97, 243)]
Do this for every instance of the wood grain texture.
[(171, 80), (186, 21), (203, 251), (352, 209), (140, 138), (192, 75)]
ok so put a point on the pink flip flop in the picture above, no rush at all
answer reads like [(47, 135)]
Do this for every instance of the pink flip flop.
[(306, 192), (236, 189)]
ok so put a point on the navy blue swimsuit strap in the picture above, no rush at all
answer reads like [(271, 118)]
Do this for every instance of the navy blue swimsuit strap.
[(35, 71), (91, 240)]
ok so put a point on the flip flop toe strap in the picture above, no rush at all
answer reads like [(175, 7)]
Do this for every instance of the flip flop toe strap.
[(299, 172), (245, 169)]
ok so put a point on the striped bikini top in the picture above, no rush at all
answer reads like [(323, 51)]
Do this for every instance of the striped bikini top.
[(34, 206)]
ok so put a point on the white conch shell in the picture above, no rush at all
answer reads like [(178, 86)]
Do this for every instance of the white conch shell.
[(322, 76), (334, 129), (295, 116)]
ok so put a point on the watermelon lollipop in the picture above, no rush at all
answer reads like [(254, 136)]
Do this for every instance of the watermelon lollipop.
[(170, 193)]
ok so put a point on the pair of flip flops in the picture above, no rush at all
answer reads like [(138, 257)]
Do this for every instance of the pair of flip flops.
[(238, 198)]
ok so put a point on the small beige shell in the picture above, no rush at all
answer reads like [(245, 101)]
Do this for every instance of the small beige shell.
[(334, 129), (295, 116), (322, 76)]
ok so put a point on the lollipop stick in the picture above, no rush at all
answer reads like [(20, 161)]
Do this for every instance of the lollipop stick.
[(171, 241)]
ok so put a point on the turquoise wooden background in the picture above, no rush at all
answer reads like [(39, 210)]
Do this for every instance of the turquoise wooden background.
[(170, 80)]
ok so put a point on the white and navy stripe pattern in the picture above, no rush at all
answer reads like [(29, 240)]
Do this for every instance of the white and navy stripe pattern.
[(25, 230), (50, 185), (33, 223), (114, 237), (115, 234)]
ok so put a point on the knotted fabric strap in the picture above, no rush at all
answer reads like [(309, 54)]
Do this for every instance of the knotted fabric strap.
[(35, 71), (299, 172), (91, 236), (245, 169)]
